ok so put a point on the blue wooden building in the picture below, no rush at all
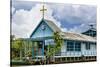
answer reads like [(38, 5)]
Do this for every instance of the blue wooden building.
[(90, 32), (75, 47)]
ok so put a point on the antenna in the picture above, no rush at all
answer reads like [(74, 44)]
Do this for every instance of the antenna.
[(91, 25)]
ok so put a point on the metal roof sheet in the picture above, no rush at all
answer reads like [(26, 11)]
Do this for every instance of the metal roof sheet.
[(52, 25), (77, 36), (70, 35)]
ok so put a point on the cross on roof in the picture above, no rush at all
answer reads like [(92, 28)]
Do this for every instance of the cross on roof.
[(43, 10)]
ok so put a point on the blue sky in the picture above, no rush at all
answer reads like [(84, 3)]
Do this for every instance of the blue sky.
[(69, 17)]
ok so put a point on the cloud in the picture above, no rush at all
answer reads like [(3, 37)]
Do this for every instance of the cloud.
[(25, 21), (72, 13), (73, 16), (22, 4), (78, 29), (13, 9), (70, 18)]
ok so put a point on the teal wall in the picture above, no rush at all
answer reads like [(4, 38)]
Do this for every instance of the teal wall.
[(39, 32)]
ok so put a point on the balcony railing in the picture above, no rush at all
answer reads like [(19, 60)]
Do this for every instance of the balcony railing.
[(76, 54), (71, 54)]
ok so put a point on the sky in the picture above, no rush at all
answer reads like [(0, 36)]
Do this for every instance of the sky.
[(26, 15)]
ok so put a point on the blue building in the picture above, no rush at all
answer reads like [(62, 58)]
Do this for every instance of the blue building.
[(76, 47), (90, 32)]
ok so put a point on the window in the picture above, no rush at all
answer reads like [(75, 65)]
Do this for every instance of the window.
[(87, 46), (49, 42), (70, 46), (40, 43), (73, 46), (77, 46)]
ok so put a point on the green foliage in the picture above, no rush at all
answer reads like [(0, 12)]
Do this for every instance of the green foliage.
[(58, 40), (55, 48), (17, 58), (17, 45), (29, 53)]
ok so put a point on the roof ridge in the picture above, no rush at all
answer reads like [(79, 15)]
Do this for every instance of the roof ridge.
[(53, 25)]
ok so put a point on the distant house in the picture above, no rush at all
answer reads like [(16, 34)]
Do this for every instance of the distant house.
[(90, 32), (76, 46)]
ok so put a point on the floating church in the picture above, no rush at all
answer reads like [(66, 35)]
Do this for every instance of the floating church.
[(76, 46)]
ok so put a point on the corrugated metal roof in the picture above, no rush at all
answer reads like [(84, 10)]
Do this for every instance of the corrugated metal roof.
[(77, 36), (52, 25), (69, 35)]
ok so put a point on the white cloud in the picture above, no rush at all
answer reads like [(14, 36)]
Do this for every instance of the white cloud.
[(64, 29), (69, 12), (24, 21), (13, 9), (81, 28), (76, 14)]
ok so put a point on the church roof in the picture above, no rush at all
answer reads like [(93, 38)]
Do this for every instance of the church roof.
[(77, 36), (52, 25), (69, 35)]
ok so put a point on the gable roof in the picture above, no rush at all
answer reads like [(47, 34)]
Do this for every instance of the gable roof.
[(90, 32), (67, 35), (52, 25)]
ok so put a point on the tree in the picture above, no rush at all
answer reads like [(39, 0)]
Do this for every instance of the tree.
[(18, 45), (58, 43)]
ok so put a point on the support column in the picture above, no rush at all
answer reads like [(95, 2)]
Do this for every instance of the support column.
[(43, 49), (37, 50), (32, 50)]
